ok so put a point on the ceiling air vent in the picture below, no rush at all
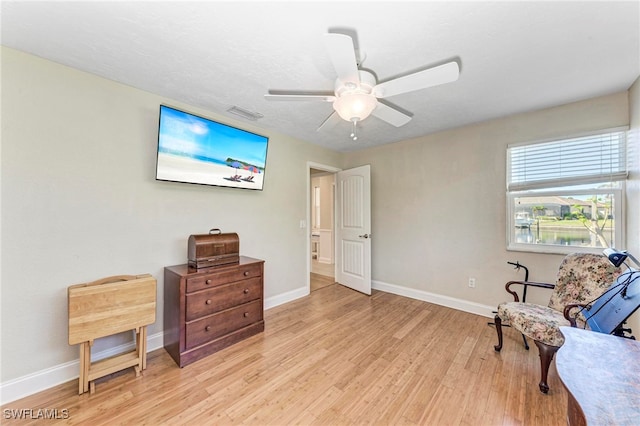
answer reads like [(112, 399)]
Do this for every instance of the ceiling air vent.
[(249, 115)]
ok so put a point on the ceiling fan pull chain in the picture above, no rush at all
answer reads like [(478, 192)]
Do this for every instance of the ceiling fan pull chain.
[(354, 132)]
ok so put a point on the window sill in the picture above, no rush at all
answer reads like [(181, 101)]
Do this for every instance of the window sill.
[(549, 249)]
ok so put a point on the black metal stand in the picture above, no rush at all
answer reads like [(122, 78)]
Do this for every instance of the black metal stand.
[(620, 332)]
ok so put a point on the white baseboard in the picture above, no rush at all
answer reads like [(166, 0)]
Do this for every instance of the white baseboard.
[(21, 387), (283, 298), (438, 299)]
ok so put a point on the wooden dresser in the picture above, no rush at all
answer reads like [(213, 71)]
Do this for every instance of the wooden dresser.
[(209, 309)]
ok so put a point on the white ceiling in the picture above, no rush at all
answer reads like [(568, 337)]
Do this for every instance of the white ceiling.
[(514, 56)]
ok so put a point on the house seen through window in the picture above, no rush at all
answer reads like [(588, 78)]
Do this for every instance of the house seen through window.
[(567, 195)]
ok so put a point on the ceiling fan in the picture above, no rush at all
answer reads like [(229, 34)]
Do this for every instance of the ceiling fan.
[(356, 91)]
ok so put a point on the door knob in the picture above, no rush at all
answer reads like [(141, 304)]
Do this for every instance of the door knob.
[(365, 236)]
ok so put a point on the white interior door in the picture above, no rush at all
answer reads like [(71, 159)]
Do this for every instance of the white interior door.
[(353, 228)]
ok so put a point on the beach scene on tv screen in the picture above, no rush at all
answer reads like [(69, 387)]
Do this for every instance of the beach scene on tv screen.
[(193, 149)]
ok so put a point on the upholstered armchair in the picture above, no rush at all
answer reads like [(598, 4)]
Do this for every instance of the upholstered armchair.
[(582, 277)]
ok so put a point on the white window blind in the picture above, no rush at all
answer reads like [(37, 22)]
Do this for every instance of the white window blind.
[(587, 159)]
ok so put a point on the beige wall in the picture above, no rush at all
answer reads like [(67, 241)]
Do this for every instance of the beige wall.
[(80, 202), (633, 186), (438, 202)]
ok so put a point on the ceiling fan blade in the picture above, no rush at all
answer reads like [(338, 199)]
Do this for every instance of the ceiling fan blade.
[(323, 98), (391, 115), (420, 80), (343, 57)]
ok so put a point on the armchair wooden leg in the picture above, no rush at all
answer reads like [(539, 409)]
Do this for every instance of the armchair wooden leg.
[(546, 356), (498, 322)]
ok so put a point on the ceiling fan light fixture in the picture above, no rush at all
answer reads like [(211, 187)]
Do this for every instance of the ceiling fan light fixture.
[(355, 106)]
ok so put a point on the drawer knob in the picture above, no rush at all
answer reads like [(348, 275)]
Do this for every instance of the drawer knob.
[(246, 291), (246, 314), (207, 328), (208, 302), (246, 273), (208, 281)]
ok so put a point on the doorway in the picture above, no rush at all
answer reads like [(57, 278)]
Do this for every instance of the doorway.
[(347, 250), (320, 217)]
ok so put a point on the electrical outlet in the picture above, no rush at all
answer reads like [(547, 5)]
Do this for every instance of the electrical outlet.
[(472, 282)]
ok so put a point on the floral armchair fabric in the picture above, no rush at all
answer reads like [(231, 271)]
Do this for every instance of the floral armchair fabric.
[(581, 278)]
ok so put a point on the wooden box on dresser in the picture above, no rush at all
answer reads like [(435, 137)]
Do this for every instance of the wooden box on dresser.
[(206, 310)]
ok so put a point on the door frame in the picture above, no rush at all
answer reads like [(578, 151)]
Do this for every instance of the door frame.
[(329, 169)]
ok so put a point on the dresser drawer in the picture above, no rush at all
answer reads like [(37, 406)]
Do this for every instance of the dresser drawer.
[(223, 276), (224, 322), (222, 297)]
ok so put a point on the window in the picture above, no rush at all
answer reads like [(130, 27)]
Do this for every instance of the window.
[(567, 195)]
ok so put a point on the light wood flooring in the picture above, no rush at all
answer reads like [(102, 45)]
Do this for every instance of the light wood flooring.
[(322, 274), (326, 269), (320, 281), (336, 357)]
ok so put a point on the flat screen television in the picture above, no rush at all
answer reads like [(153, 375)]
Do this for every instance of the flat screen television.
[(194, 149)]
